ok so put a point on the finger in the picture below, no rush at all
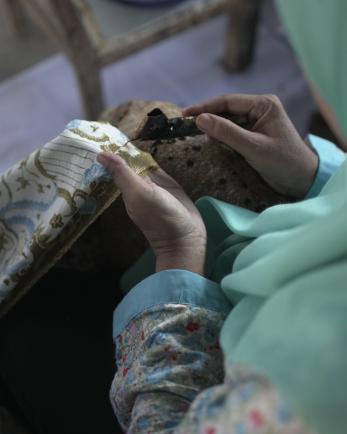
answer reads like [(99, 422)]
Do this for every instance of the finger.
[(234, 103), (124, 177), (214, 105), (227, 132)]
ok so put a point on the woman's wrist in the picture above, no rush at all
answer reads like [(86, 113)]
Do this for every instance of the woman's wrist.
[(306, 177), (187, 258)]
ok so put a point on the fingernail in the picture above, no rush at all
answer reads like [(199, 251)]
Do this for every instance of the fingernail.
[(204, 121)]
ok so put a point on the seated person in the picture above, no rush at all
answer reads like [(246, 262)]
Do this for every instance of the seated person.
[(269, 287)]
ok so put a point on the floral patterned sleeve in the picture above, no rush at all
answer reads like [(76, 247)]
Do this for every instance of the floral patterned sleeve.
[(170, 376)]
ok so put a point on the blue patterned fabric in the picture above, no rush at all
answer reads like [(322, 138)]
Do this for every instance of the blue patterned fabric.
[(48, 199), (171, 379)]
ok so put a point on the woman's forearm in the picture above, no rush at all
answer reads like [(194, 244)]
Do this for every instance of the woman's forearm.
[(166, 331)]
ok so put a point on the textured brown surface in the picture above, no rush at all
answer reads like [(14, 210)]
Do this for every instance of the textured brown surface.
[(200, 166)]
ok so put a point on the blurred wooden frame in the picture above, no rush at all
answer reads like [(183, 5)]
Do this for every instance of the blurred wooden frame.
[(73, 27), (13, 12)]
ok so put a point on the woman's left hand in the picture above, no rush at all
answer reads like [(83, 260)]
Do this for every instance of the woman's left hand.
[(164, 213), (270, 144)]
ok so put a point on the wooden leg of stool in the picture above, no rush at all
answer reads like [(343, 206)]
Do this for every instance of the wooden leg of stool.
[(91, 91), (243, 20), (14, 15)]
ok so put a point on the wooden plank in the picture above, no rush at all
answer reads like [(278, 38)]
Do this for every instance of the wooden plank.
[(82, 54), (42, 14), (243, 20), (14, 16), (89, 21), (160, 29)]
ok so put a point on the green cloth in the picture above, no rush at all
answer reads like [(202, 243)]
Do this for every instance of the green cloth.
[(317, 30), (286, 271)]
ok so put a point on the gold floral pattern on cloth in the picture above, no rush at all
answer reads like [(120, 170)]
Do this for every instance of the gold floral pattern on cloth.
[(50, 198)]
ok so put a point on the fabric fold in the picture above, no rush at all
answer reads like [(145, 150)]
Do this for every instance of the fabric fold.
[(50, 198)]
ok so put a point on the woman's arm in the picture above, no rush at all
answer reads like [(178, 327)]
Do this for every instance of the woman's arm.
[(167, 328), (167, 353), (170, 376)]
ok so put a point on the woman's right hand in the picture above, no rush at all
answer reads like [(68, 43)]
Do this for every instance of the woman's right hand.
[(164, 214), (271, 144)]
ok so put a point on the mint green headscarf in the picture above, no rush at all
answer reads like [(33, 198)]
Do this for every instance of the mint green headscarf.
[(317, 30), (286, 270)]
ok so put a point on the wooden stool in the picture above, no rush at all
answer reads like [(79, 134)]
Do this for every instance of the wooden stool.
[(77, 28)]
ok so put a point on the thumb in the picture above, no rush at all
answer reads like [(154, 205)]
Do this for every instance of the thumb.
[(124, 177), (226, 132)]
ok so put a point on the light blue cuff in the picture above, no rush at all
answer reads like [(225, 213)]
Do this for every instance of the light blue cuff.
[(330, 159), (169, 287)]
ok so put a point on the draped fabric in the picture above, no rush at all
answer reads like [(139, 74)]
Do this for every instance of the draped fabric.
[(48, 199), (318, 32), (285, 270)]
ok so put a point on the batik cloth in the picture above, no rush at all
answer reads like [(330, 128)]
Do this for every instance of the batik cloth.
[(51, 197)]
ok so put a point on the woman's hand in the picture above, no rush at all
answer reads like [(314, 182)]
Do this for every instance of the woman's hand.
[(164, 213), (271, 144)]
